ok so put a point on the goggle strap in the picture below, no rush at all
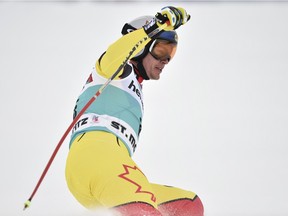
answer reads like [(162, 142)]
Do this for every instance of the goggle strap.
[(152, 46)]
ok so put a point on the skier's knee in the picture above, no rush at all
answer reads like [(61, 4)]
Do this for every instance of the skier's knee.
[(183, 207), (137, 209)]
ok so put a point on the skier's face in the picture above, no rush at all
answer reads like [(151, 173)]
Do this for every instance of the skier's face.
[(153, 66), (160, 55)]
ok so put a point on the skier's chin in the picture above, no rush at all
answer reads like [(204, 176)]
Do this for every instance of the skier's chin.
[(155, 77)]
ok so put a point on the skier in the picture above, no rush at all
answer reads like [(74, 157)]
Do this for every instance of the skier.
[(99, 168)]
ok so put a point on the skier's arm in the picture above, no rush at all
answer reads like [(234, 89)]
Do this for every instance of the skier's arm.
[(118, 52)]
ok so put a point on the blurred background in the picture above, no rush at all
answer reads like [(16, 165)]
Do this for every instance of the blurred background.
[(215, 123)]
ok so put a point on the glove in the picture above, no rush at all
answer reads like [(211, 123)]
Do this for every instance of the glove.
[(175, 16)]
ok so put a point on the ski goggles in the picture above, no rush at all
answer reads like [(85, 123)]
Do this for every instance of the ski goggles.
[(163, 50)]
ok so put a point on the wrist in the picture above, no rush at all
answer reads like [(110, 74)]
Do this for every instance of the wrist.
[(151, 26)]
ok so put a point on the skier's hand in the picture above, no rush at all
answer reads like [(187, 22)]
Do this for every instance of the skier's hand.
[(174, 16)]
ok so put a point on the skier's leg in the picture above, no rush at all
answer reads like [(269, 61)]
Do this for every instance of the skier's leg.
[(177, 202), (100, 172)]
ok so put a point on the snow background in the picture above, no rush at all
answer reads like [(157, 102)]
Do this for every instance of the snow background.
[(216, 123)]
